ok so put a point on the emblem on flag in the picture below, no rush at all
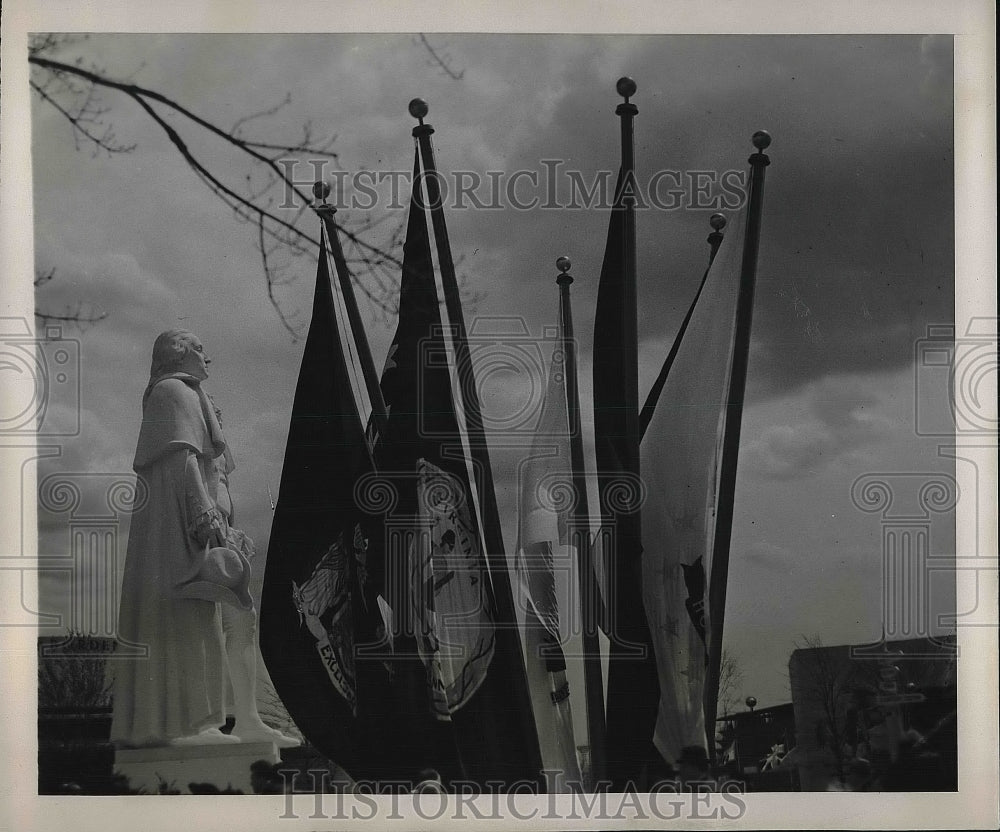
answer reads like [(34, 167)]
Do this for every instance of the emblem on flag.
[(453, 620), (694, 580), (323, 603)]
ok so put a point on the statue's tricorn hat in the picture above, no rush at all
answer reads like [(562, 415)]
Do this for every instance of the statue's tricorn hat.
[(222, 575)]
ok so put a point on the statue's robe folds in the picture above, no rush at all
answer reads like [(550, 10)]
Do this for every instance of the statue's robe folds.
[(179, 688)]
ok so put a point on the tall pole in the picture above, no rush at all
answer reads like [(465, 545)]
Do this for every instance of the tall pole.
[(633, 689), (718, 222), (593, 677), (326, 212), (627, 111), (731, 437), (478, 447)]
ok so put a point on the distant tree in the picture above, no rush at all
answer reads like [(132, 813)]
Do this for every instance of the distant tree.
[(838, 687), (76, 680), (730, 683)]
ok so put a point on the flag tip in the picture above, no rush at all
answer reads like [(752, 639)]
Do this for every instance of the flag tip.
[(564, 278), (761, 140), (626, 87), (321, 190), (418, 109), (717, 221)]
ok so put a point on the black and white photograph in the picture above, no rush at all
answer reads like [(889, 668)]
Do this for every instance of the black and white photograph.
[(529, 415)]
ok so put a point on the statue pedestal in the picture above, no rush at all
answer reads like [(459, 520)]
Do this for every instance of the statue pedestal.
[(223, 766)]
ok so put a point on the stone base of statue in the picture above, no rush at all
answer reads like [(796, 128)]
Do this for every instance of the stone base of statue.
[(176, 767)]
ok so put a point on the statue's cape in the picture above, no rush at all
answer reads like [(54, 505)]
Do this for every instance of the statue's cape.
[(177, 413)]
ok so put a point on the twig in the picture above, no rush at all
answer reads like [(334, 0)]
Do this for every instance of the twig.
[(451, 73)]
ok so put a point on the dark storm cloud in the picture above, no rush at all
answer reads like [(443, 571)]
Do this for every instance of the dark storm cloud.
[(843, 416), (858, 242)]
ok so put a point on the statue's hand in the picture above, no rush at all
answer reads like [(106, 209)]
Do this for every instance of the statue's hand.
[(240, 541), (210, 529)]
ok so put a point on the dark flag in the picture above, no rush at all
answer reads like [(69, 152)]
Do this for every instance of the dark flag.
[(319, 603), (441, 581), (632, 683)]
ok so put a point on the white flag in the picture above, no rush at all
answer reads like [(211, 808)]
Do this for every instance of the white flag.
[(680, 458), (546, 576)]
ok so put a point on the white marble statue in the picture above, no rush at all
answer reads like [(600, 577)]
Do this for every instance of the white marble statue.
[(185, 589)]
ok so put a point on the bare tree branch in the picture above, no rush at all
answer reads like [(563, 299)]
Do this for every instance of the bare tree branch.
[(140, 94), (77, 316), (269, 276), (730, 680), (85, 115), (271, 199), (441, 60), (380, 264), (270, 111)]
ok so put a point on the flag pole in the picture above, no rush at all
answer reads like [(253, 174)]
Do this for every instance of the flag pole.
[(718, 222), (592, 673), (627, 111), (731, 437), (478, 447), (326, 212), (633, 689)]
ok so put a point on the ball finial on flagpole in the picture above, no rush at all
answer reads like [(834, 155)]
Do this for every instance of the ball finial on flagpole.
[(626, 87), (564, 278), (718, 222), (761, 140), (321, 190), (418, 109)]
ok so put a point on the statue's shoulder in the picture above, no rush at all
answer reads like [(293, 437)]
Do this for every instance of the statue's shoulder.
[(172, 394), (173, 388)]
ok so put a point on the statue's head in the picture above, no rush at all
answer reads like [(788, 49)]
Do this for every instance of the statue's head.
[(179, 351)]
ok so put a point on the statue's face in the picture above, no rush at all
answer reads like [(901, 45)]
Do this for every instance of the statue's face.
[(195, 361)]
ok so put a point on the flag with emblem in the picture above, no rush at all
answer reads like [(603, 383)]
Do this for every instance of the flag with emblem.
[(319, 603), (454, 628), (438, 579)]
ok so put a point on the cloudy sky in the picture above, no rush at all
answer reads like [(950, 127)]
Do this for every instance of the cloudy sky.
[(857, 259)]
